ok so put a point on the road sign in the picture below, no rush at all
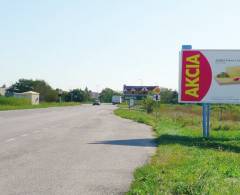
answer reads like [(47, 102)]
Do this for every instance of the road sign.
[(131, 103), (209, 76)]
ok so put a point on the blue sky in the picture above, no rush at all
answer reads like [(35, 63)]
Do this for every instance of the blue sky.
[(108, 43)]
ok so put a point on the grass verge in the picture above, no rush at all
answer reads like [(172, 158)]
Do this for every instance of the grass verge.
[(186, 163)]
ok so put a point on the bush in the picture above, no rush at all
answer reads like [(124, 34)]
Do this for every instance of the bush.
[(225, 125), (169, 97), (148, 104)]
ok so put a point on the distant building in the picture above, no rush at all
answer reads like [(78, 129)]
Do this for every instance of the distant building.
[(31, 95), (139, 92), (3, 90)]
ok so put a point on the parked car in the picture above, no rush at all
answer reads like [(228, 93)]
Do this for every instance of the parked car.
[(116, 99), (96, 102)]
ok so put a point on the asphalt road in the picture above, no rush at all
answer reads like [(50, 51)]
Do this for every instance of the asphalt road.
[(70, 150)]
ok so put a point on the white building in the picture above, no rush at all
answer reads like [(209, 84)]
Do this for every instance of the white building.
[(2, 91), (33, 96)]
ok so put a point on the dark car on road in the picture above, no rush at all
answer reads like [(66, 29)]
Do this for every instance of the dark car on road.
[(96, 103)]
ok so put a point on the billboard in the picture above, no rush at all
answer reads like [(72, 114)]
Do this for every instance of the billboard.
[(209, 76)]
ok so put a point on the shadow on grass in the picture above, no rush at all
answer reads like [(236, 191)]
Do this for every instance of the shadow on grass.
[(210, 143), (147, 142)]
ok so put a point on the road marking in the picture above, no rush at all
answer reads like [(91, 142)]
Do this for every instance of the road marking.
[(10, 140), (24, 135)]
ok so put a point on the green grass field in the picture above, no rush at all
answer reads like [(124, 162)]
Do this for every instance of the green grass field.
[(11, 103), (186, 163)]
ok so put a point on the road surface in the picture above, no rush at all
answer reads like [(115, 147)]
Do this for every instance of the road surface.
[(70, 150)]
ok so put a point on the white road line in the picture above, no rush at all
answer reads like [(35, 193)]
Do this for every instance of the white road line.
[(10, 140), (24, 135)]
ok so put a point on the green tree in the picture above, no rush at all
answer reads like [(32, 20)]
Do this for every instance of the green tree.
[(46, 92), (169, 97), (106, 95), (22, 85), (87, 95), (76, 95)]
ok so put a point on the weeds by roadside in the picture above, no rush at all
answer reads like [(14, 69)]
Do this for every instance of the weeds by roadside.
[(186, 163), (11, 103)]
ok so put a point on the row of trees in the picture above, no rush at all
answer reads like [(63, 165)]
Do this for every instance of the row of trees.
[(77, 95), (48, 94)]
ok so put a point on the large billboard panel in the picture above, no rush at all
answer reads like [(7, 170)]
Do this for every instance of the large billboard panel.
[(209, 76)]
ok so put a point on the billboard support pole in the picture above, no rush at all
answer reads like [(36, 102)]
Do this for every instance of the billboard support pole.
[(206, 119), (205, 108)]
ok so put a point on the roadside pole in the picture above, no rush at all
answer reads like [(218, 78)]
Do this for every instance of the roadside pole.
[(205, 108)]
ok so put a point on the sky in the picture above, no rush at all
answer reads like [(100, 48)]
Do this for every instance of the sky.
[(109, 43)]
